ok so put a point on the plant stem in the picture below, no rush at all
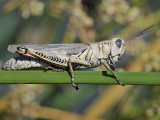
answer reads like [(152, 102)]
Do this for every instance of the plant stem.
[(82, 77)]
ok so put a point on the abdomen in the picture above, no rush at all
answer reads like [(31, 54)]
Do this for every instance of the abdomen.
[(19, 63)]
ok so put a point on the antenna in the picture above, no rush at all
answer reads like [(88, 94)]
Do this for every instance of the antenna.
[(135, 37)]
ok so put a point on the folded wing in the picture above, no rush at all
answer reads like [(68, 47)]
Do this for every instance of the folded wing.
[(52, 48)]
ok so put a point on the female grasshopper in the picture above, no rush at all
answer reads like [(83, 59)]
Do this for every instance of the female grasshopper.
[(71, 57)]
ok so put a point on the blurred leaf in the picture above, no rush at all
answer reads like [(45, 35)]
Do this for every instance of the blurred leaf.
[(139, 2), (107, 100), (61, 30), (74, 98), (9, 24)]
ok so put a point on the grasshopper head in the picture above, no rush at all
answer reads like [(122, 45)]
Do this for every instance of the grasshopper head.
[(118, 45), (117, 49)]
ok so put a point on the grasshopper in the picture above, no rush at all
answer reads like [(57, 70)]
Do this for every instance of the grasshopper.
[(59, 57)]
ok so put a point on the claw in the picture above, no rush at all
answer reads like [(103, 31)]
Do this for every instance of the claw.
[(122, 84), (118, 80), (75, 86)]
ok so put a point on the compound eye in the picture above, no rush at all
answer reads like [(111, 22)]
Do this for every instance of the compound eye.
[(118, 42)]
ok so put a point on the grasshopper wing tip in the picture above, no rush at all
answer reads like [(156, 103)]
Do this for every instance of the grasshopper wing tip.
[(12, 48)]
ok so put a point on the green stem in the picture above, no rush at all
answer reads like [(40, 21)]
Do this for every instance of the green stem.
[(82, 77)]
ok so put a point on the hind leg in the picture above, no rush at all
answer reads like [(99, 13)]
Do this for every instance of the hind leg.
[(53, 69)]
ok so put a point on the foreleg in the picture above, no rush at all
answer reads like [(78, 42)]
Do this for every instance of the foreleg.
[(108, 67)]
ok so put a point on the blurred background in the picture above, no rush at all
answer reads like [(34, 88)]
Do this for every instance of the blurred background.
[(75, 21)]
